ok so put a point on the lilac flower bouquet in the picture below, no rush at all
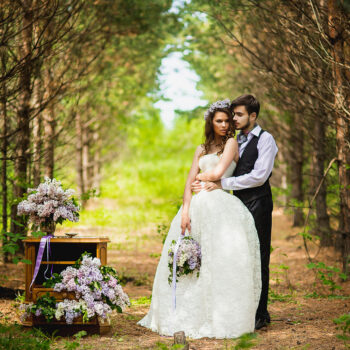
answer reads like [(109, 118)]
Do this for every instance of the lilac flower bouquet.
[(96, 289), (48, 203), (188, 258)]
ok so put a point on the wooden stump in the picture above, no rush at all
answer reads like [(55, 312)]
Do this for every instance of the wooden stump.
[(180, 338)]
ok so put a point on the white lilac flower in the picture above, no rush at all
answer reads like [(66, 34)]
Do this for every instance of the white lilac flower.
[(112, 282), (188, 257), (49, 201)]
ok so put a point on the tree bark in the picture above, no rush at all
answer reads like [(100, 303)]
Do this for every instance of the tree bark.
[(323, 228), (341, 100), (4, 147), (49, 118), (37, 148), (18, 224), (49, 140), (96, 166), (85, 157), (79, 153), (37, 122), (296, 170)]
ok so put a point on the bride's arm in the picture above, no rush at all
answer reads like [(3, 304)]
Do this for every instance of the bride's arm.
[(230, 153), (185, 218)]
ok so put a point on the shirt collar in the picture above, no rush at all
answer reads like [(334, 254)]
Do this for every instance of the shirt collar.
[(255, 131)]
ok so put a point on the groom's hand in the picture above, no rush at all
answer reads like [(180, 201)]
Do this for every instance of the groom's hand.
[(210, 186), (196, 186)]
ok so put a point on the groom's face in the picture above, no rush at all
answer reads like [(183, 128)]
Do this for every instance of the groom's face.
[(242, 119)]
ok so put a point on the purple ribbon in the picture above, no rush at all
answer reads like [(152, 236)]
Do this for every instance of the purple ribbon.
[(43, 242), (173, 283)]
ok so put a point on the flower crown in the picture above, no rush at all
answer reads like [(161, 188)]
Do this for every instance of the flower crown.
[(216, 105)]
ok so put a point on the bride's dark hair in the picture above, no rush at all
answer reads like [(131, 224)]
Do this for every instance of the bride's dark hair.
[(209, 133)]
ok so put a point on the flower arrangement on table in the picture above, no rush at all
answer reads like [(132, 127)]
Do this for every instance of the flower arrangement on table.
[(188, 257), (96, 288), (49, 204)]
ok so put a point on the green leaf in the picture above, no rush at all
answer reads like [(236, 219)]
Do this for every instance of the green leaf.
[(311, 265), (343, 276), (11, 249), (26, 261)]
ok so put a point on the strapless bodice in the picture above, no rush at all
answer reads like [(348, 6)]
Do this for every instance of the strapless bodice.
[(209, 161)]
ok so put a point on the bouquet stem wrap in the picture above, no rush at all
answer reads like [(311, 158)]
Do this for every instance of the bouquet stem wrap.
[(173, 284)]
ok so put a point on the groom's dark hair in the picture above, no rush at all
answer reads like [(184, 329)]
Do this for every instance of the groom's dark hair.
[(249, 101)]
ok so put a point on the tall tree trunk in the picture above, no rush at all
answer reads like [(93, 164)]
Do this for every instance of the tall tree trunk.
[(49, 119), (296, 170), (336, 33), (79, 154), (322, 218), (97, 162), (37, 122), (4, 147), (85, 157), (18, 224), (37, 144), (49, 140)]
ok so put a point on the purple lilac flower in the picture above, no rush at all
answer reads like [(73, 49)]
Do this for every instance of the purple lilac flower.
[(188, 256), (92, 290)]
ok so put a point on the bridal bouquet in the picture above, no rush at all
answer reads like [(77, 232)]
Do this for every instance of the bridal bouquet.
[(188, 257), (49, 203), (96, 289)]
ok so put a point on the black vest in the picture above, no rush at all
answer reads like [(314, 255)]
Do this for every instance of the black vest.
[(246, 165)]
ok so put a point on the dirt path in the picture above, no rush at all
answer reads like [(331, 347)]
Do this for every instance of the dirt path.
[(298, 322)]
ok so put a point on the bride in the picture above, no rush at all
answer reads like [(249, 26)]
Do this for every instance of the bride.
[(222, 301)]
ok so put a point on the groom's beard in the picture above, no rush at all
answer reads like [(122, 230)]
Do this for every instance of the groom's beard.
[(246, 126)]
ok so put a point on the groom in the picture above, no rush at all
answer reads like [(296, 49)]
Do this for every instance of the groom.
[(250, 183)]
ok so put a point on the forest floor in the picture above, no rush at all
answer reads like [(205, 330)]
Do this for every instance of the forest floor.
[(302, 312)]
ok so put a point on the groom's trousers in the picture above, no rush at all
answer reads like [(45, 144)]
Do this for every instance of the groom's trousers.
[(261, 209)]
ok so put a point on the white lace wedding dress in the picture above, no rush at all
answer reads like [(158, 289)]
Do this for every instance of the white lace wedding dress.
[(222, 301)]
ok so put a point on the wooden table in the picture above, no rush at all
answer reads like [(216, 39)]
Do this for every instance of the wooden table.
[(64, 252)]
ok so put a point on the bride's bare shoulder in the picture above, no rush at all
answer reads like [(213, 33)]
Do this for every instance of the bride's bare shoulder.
[(231, 143), (199, 150)]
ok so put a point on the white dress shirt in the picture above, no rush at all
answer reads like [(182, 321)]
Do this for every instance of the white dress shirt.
[(267, 150)]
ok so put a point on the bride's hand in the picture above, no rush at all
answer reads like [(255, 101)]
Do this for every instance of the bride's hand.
[(196, 186), (185, 223), (199, 177)]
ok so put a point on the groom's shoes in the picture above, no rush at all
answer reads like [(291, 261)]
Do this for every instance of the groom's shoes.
[(261, 323)]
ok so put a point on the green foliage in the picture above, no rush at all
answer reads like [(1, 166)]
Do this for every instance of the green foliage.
[(141, 301), (245, 341), (327, 275), (162, 230), (279, 275), (14, 337), (275, 296), (343, 323), (313, 295), (55, 278), (76, 343), (46, 304), (11, 246), (279, 270)]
